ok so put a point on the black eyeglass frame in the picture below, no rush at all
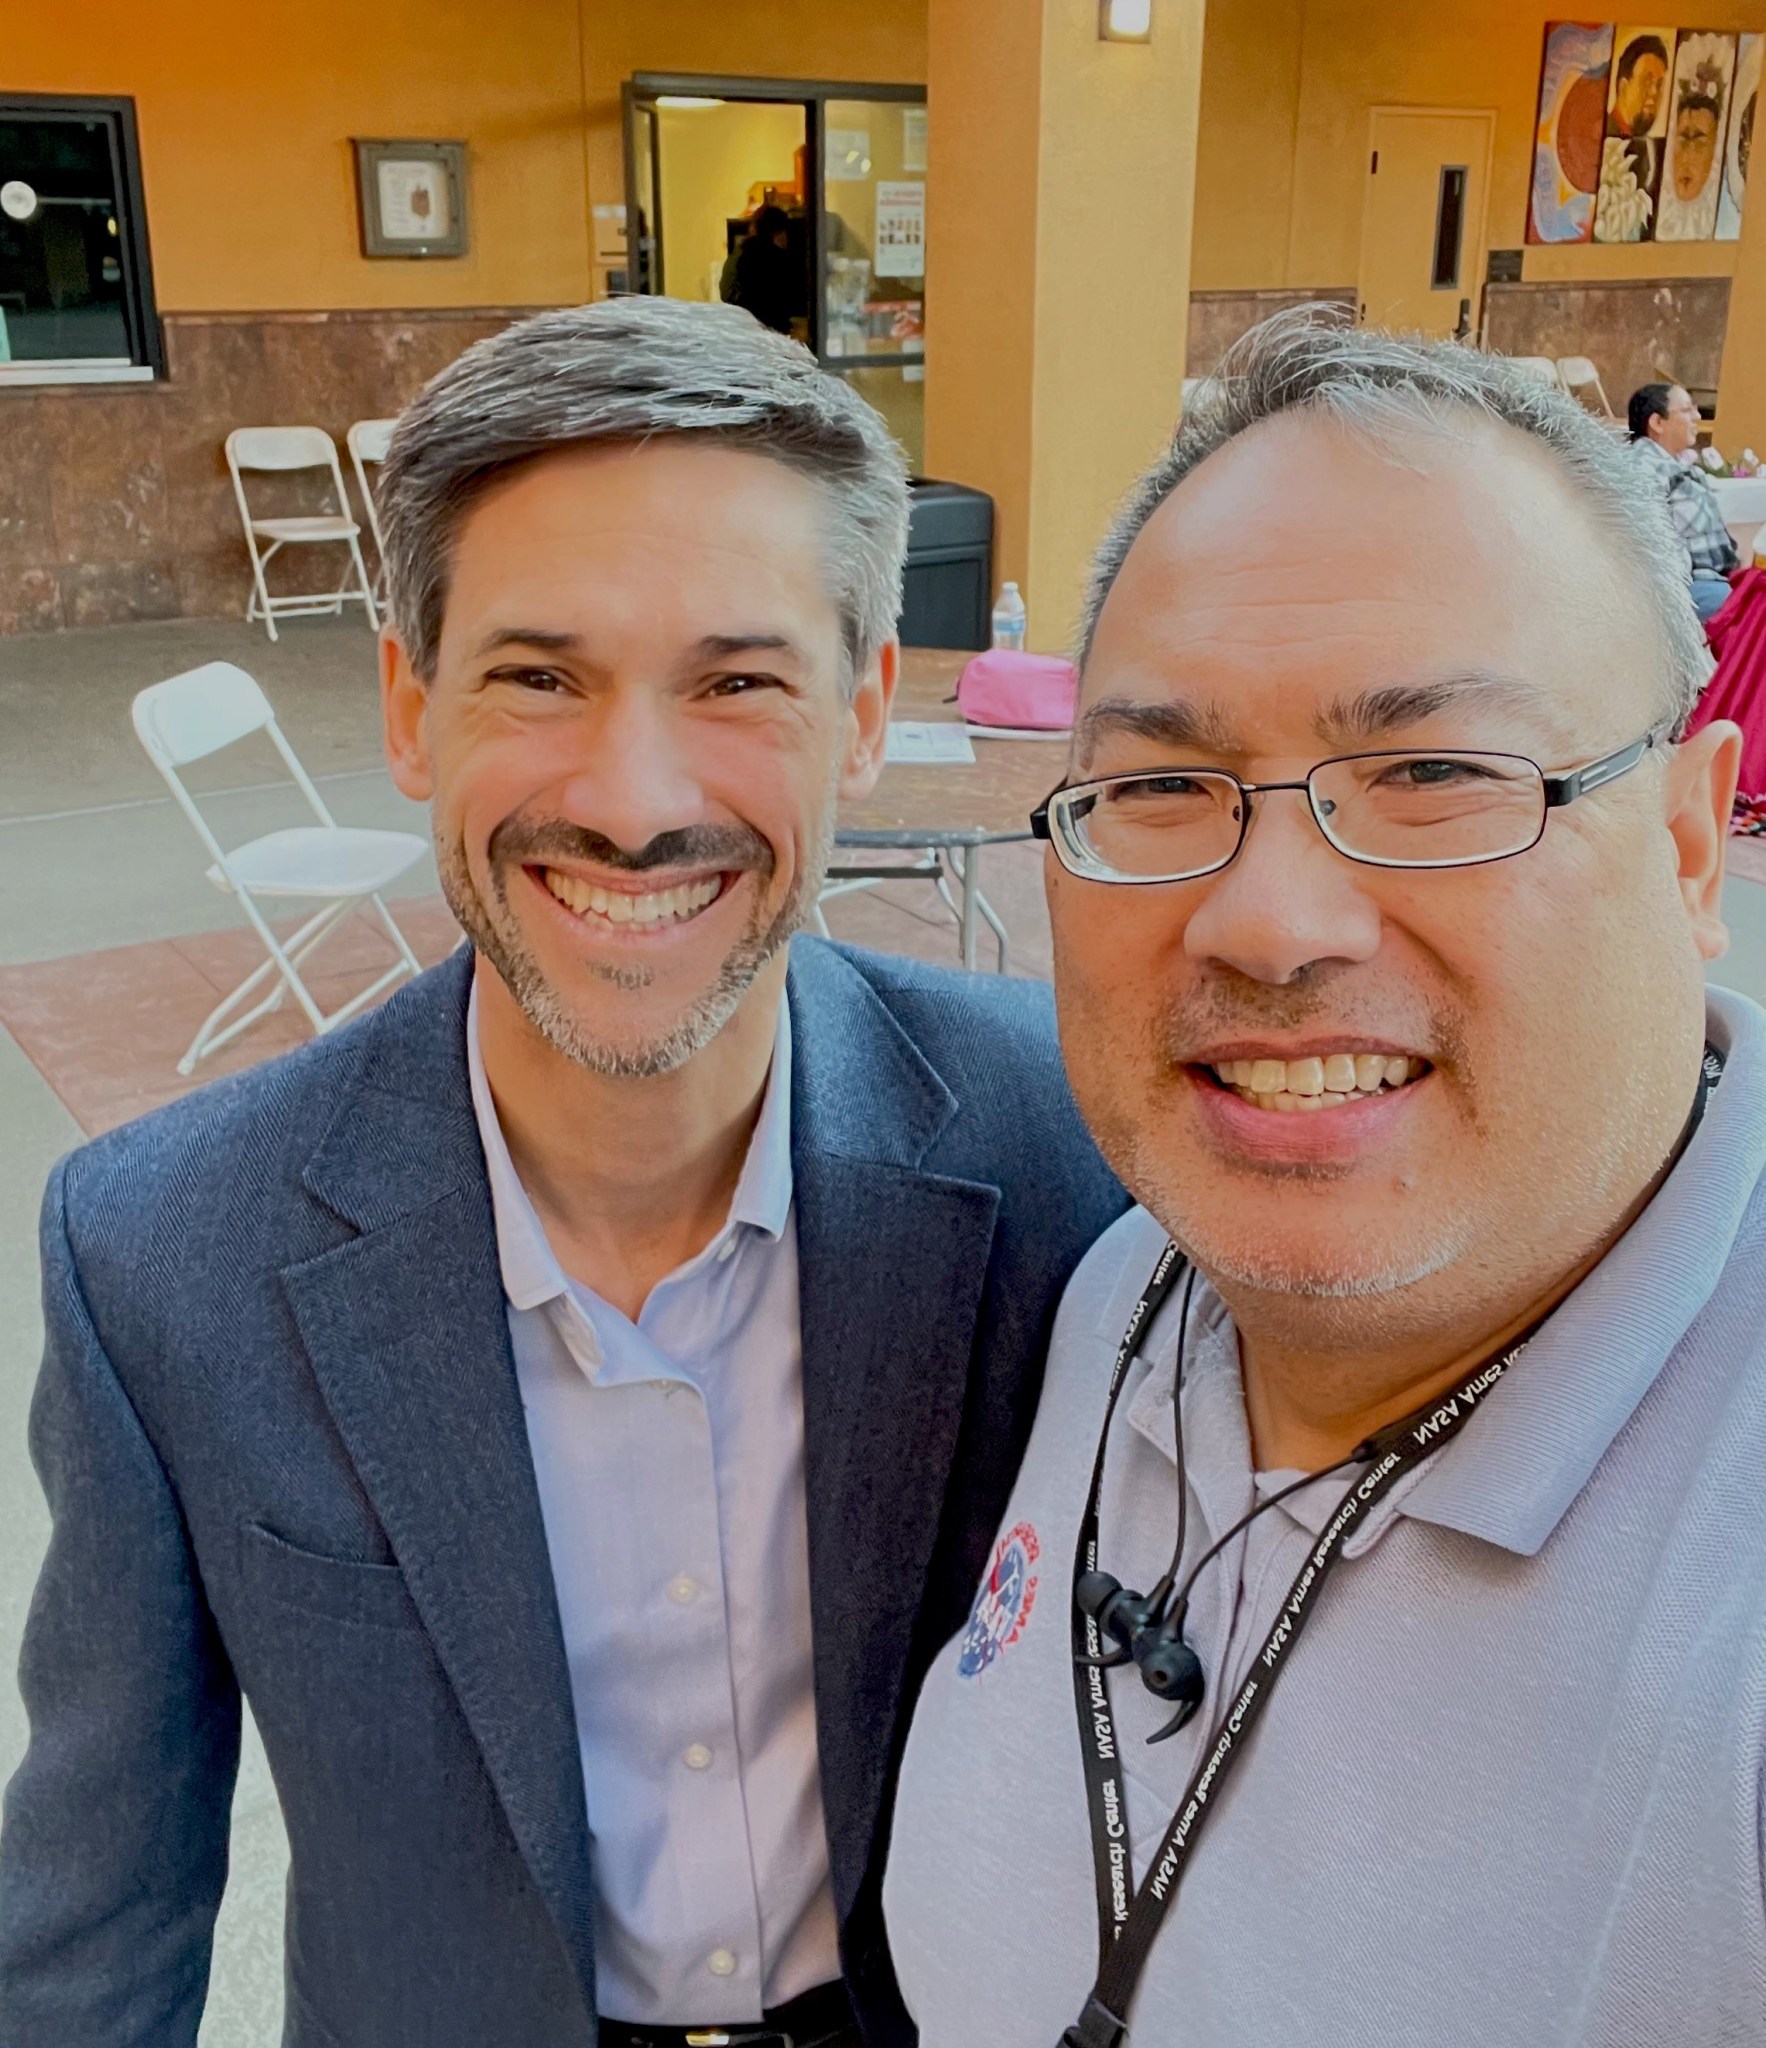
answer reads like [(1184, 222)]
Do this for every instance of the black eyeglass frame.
[(1565, 787)]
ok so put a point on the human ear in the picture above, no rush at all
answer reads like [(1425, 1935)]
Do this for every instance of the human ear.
[(867, 723), (1701, 790), (404, 728)]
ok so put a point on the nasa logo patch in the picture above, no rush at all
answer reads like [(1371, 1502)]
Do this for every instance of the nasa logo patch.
[(1002, 1607)]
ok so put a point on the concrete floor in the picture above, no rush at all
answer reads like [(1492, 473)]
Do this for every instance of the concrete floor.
[(94, 855)]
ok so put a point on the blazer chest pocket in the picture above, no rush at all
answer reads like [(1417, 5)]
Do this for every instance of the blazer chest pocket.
[(337, 1588)]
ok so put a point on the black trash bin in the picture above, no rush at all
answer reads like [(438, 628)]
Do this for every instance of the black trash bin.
[(947, 592)]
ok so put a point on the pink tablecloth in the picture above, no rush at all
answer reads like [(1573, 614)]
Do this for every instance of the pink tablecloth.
[(1738, 690)]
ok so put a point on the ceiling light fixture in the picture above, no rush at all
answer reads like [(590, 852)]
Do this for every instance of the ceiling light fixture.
[(1125, 21)]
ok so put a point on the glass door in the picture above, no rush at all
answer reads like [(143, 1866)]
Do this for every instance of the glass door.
[(803, 199), (643, 209), (873, 247)]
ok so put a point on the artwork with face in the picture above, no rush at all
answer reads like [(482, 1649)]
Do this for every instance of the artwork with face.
[(1741, 138), (1572, 117), (1637, 92), (1704, 69)]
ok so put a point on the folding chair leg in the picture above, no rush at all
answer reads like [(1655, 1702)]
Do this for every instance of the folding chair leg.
[(281, 963), (392, 931), (366, 587), (261, 589)]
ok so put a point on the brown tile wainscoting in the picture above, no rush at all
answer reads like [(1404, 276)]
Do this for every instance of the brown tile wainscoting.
[(114, 501), (1631, 329), (1217, 319)]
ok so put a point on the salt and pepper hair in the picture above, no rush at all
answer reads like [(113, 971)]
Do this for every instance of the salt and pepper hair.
[(630, 371), (1307, 361)]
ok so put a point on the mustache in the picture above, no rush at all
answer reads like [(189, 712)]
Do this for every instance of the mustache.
[(1244, 1009), (525, 842)]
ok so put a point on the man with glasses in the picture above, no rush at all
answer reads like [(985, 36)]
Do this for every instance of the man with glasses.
[(1375, 1643), (1664, 426)]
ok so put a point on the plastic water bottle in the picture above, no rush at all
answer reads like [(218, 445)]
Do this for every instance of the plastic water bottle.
[(1009, 619)]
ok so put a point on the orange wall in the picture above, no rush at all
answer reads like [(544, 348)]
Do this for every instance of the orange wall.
[(246, 114), (1286, 89)]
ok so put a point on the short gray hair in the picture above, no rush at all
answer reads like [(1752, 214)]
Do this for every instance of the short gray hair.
[(627, 371), (1307, 360)]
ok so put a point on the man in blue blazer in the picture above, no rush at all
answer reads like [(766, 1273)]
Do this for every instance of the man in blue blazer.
[(571, 1404)]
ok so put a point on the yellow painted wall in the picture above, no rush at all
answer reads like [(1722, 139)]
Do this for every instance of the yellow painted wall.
[(246, 115), (710, 157), (1286, 89), (981, 244), (1056, 313)]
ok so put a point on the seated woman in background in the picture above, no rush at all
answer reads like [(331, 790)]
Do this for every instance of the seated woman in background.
[(1664, 426)]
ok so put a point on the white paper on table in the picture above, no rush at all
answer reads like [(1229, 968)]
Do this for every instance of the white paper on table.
[(928, 744), (1019, 732)]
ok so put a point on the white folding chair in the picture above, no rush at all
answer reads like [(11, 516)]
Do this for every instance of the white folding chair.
[(1579, 377), (1541, 367), (340, 867), (367, 441), (289, 448)]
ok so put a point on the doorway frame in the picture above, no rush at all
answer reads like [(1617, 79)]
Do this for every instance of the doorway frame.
[(1485, 114), (639, 94)]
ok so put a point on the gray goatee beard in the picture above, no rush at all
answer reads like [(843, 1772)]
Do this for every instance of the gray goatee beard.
[(495, 931)]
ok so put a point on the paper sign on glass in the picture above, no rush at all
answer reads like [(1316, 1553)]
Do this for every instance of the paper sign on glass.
[(901, 228)]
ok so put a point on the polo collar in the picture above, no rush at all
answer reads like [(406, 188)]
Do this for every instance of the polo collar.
[(531, 1273), (1511, 1474)]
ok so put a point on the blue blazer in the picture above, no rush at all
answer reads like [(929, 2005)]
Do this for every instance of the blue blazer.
[(284, 1452)]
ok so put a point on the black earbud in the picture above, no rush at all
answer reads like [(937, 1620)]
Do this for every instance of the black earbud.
[(1148, 1633)]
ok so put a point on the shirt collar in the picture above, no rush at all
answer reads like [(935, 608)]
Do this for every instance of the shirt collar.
[(531, 1273), (1525, 1455), (1512, 1473)]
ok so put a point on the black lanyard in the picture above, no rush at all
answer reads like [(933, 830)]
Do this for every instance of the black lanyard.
[(1129, 1921)]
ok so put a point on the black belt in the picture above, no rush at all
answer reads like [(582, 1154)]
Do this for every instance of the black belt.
[(821, 2018)]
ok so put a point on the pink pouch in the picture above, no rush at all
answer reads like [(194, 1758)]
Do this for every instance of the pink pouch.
[(1039, 692)]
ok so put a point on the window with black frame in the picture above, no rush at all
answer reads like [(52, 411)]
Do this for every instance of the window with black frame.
[(76, 290)]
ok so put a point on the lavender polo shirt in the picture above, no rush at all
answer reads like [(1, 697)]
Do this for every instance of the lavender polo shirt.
[(1508, 1792)]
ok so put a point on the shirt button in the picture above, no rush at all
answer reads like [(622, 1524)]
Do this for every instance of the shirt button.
[(696, 1756), (721, 1963), (683, 1591), (724, 1251)]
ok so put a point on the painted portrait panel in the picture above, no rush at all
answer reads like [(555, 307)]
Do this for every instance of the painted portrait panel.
[(1630, 181), (1637, 92), (1572, 126), (1741, 138), (1698, 116)]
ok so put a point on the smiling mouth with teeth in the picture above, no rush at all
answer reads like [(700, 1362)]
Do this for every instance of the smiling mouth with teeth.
[(619, 909), (1312, 1084)]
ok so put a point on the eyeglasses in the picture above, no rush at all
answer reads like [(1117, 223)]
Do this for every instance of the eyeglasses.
[(1411, 809)]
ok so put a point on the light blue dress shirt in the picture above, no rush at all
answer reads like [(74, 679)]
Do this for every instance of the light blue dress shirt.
[(669, 1456)]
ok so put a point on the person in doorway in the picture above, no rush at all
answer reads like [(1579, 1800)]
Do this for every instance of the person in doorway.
[(1664, 426), (1639, 79), (762, 276), (570, 1404), (1403, 1446)]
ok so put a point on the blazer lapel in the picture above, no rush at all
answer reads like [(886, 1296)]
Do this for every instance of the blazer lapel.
[(405, 1327), (893, 1261)]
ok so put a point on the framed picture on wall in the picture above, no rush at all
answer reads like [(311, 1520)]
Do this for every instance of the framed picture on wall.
[(411, 197)]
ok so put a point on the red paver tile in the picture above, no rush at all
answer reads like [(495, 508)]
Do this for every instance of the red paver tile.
[(106, 1030)]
